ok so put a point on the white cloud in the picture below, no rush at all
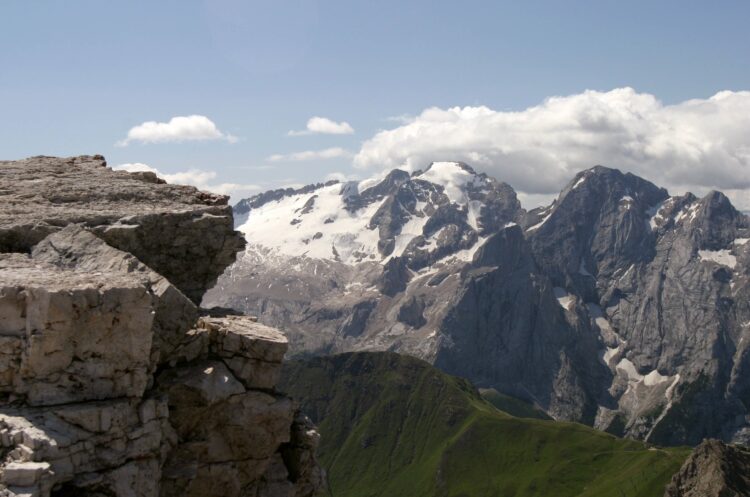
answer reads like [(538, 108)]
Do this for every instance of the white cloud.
[(178, 129), (339, 176), (327, 153), (203, 180), (694, 145), (323, 125)]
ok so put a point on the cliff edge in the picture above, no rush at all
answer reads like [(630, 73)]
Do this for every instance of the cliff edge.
[(112, 381)]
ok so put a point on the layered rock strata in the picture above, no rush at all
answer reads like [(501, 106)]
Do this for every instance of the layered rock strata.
[(112, 381)]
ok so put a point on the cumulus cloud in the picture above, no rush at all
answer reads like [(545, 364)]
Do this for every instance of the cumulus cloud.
[(323, 125), (203, 180), (326, 153), (693, 145), (178, 129)]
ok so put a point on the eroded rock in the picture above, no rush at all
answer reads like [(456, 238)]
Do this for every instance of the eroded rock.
[(99, 301), (78, 335), (180, 232), (714, 469)]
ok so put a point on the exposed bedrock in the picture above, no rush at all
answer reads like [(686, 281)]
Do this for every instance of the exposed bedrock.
[(183, 234), (714, 469), (112, 381)]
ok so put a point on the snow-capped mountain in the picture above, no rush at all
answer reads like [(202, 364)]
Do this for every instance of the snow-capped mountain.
[(617, 305), (438, 212)]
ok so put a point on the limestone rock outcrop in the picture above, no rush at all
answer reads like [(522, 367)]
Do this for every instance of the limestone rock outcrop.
[(112, 381), (714, 469), (183, 234)]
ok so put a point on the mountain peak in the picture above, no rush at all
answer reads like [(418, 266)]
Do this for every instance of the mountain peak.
[(427, 215)]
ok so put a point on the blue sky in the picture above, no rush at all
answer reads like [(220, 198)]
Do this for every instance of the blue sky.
[(78, 75)]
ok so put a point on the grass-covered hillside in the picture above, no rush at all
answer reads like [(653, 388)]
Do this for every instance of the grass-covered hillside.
[(395, 426)]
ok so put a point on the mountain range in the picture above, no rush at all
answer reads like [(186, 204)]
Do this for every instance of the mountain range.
[(391, 424), (618, 305)]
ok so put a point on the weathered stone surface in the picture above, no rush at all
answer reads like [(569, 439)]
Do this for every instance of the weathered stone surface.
[(74, 247), (227, 435), (252, 351), (84, 326), (85, 445), (183, 234), (81, 336), (233, 439), (299, 457), (714, 469)]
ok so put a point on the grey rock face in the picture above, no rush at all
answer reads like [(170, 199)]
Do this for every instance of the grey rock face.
[(76, 248), (665, 281), (78, 336), (617, 305), (714, 469), (110, 382), (162, 225)]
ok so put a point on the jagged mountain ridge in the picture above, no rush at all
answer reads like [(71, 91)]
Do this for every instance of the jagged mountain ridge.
[(617, 305), (394, 425)]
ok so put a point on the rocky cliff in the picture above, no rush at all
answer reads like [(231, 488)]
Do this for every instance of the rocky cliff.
[(112, 381), (714, 469), (618, 305)]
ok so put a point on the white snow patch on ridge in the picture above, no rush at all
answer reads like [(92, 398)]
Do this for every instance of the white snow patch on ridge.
[(610, 353), (626, 366), (741, 241), (579, 182), (565, 299), (270, 225), (540, 223), (722, 257), (654, 378)]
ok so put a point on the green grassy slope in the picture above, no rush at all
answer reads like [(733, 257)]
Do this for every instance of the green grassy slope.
[(511, 405), (395, 426)]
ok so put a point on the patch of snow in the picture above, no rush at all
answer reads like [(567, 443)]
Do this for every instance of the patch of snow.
[(668, 394), (741, 241), (582, 268), (694, 211), (626, 272), (474, 213), (654, 378), (348, 234), (600, 319), (655, 213), (510, 224), (566, 300), (409, 231), (579, 182), (722, 257), (610, 353), (467, 255), (629, 369), (540, 223), (670, 390), (689, 210)]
